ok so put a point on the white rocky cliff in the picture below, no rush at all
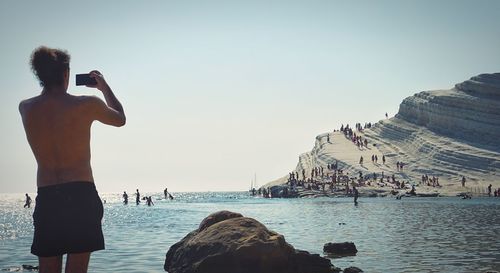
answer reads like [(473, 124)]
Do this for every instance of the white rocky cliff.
[(443, 133), (470, 111)]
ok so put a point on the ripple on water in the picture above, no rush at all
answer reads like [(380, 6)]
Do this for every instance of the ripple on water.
[(412, 235)]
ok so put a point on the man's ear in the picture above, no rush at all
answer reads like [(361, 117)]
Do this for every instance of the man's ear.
[(66, 77)]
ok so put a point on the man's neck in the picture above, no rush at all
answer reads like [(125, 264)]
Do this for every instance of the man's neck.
[(54, 91)]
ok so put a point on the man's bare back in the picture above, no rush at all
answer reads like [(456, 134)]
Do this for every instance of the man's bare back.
[(58, 125), (58, 131)]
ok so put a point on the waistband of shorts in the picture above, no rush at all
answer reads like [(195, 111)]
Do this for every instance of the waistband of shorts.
[(67, 187)]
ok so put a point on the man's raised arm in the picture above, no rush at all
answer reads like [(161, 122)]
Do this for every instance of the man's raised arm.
[(112, 113)]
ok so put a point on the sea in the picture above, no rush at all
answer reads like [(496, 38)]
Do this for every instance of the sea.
[(438, 234)]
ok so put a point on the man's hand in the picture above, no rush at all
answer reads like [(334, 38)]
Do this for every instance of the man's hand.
[(101, 82), (112, 113)]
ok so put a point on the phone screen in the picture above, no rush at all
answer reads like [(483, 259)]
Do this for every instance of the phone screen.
[(85, 79)]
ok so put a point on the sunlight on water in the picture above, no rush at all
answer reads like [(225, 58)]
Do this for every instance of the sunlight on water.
[(409, 235)]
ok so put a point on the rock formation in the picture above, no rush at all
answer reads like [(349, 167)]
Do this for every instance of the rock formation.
[(442, 133), (340, 249), (228, 242), (470, 111)]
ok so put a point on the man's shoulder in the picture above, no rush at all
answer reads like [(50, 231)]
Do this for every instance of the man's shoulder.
[(86, 100), (88, 104), (27, 103), (30, 100)]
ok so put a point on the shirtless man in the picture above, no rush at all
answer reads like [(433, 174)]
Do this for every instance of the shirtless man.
[(68, 211)]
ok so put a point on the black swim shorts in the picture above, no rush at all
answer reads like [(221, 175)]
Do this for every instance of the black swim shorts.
[(67, 219)]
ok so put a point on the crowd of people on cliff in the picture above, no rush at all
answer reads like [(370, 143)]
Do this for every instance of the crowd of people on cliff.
[(433, 181), (356, 139), (334, 179), (496, 193)]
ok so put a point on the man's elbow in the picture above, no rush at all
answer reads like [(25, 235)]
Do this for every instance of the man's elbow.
[(122, 121), (119, 120)]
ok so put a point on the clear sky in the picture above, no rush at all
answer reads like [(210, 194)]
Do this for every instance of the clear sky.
[(216, 91)]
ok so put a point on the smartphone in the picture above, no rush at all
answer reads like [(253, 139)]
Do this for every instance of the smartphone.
[(85, 79)]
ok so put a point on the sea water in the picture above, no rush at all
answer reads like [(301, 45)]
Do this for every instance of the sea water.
[(408, 235)]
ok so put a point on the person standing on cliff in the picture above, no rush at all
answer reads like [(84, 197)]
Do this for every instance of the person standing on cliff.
[(463, 181), (68, 211)]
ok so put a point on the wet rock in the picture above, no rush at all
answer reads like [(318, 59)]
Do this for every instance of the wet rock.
[(30, 267), (352, 269), (229, 242), (340, 249), (217, 217), (283, 191)]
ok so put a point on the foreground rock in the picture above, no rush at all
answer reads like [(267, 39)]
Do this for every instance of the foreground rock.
[(228, 242), (340, 249)]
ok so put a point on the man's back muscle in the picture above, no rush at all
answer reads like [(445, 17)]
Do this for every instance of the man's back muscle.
[(58, 131)]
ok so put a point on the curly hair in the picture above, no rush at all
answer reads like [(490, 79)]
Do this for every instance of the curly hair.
[(49, 65)]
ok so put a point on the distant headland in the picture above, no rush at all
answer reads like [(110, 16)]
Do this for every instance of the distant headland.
[(441, 142)]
